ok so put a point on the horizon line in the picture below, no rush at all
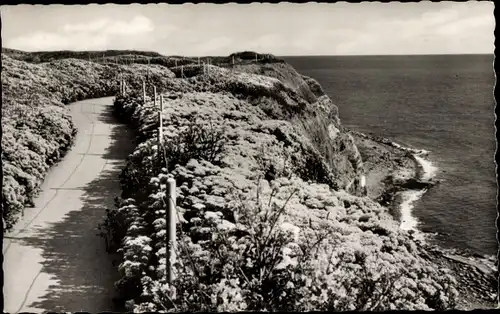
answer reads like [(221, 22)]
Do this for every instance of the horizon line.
[(277, 55), (387, 55)]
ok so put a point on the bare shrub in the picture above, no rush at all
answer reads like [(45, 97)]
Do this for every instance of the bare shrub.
[(197, 141)]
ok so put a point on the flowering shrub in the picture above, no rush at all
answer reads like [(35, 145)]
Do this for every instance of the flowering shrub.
[(262, 263), (37, 130)]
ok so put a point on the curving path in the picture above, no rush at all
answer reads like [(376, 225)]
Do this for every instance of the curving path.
[(53, 258)]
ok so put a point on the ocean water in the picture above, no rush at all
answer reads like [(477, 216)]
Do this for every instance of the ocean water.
[(443, 104)]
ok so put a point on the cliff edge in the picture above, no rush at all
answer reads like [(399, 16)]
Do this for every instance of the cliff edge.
[(270, 201)]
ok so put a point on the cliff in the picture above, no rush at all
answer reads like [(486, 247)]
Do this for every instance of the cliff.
[(270, 207)]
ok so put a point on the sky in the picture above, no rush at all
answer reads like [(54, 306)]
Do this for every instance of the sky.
[(282, 29)]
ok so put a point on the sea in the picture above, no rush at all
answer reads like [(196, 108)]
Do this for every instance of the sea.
[(443, 104)]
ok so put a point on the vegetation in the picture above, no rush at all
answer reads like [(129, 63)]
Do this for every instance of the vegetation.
[(47, 56), (37, 129), (267, 216), (133, 56), (256, 229)]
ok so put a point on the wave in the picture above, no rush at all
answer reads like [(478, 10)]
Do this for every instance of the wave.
[(429, 170), (408, 221), (426, 172)]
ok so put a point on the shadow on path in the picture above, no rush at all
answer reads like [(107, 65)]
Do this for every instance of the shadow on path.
[(73, 252)]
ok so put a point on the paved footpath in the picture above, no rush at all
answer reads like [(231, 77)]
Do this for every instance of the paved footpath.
[(53, 258)]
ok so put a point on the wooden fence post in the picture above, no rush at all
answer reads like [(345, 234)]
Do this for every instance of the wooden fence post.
[(160, 113), (148, 72), (154, 91), (182, 71), (171, 226), (122, 85), (144, 92)]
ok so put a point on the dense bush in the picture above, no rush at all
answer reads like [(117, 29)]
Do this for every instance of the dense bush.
[(261, 263), (140, 230)]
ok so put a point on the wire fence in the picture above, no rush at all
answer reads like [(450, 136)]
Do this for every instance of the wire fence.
[(158, 103)]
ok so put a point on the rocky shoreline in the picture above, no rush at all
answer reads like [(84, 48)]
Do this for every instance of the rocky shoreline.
[(391, 170)]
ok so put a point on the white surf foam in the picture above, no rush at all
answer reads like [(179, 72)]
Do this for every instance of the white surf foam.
[(429, 169), (408, 221)]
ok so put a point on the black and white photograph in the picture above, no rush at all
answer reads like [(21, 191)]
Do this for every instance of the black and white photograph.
[(204, 157)]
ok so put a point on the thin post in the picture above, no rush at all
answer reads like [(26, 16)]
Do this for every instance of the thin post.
[(160, 116), (154, 90), (233, 61), (148, 74), (171, 229), (124, 87), (144, 91)]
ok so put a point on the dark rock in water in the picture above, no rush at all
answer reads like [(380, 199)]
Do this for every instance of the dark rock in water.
[(414, 184)]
